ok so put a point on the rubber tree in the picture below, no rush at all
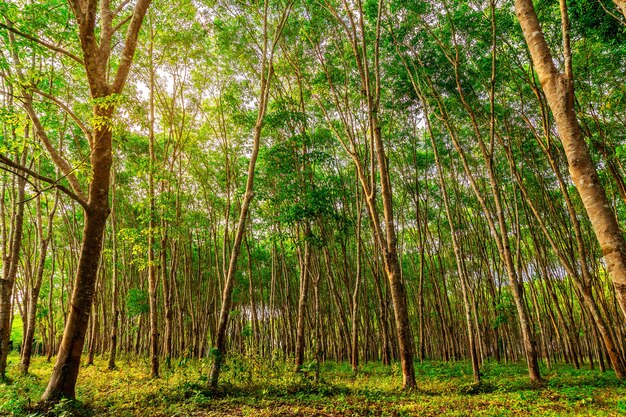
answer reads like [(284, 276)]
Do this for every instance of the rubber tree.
[(355, 31), (31, 310), (558, 87), (10, 262), (268, 47), (98, 24)]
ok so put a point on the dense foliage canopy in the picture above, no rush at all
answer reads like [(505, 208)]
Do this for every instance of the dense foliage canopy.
[(313, 180)]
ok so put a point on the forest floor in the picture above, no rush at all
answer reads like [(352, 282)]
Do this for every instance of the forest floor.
[(252, 388)]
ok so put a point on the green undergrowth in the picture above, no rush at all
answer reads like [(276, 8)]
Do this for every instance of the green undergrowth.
[(252, 387)]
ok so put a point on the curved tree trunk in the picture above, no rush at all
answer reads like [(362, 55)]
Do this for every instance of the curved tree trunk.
[(269, 46), (96, 56), (63, 379), (559, 90)]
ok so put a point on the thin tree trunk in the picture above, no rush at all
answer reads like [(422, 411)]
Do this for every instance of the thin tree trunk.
[(114, 283), (266, 78), (304, 289), (152, 276), (354, 354), (460, 263), (9, 273)]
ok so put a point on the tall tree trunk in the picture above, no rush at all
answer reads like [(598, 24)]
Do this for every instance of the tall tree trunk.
[(96, 56), (317, 324), (559, 90), (167, 295), (114, 283), (44, 241), (51, 325), (254, 319), (269, 46), (354, 355), (9, 271), (152, 276), (304, 289), (458, 256), (63, 379)]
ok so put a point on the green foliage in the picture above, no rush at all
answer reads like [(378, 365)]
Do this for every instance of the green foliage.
[(136, 302), (255, 387), (17, 330)]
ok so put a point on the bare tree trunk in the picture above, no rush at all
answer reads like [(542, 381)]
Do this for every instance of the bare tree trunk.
[(266, 78), (63, 379), (62, 382), (317, 324), (458, 256), (559, 90), (254, 319), (304, 289), (354, 355), (9, 271), (167, 296), (51, 326), (114, 283), (44, 241), (152, 276)]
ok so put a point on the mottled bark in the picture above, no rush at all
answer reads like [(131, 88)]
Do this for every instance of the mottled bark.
[(559, 91), (63, 379)]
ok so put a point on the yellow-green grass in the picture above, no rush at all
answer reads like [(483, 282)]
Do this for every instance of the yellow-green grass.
[(252, 387)]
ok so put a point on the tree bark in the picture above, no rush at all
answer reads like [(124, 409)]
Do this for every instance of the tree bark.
[(96, 56), (559, 90), (31, 321), (63, 379), (9, 272)]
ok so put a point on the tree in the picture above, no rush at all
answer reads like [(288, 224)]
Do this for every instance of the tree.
[(559, 90), (268, 48), (98, 25)]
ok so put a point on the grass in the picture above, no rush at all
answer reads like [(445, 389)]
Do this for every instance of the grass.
[(250, 387), (17, 328)]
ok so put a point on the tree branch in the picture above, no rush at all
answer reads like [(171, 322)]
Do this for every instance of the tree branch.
[(121, 23), (67, 110), (119, 8), (53, 183), (130, 44), (42, 42), (58, 160)]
